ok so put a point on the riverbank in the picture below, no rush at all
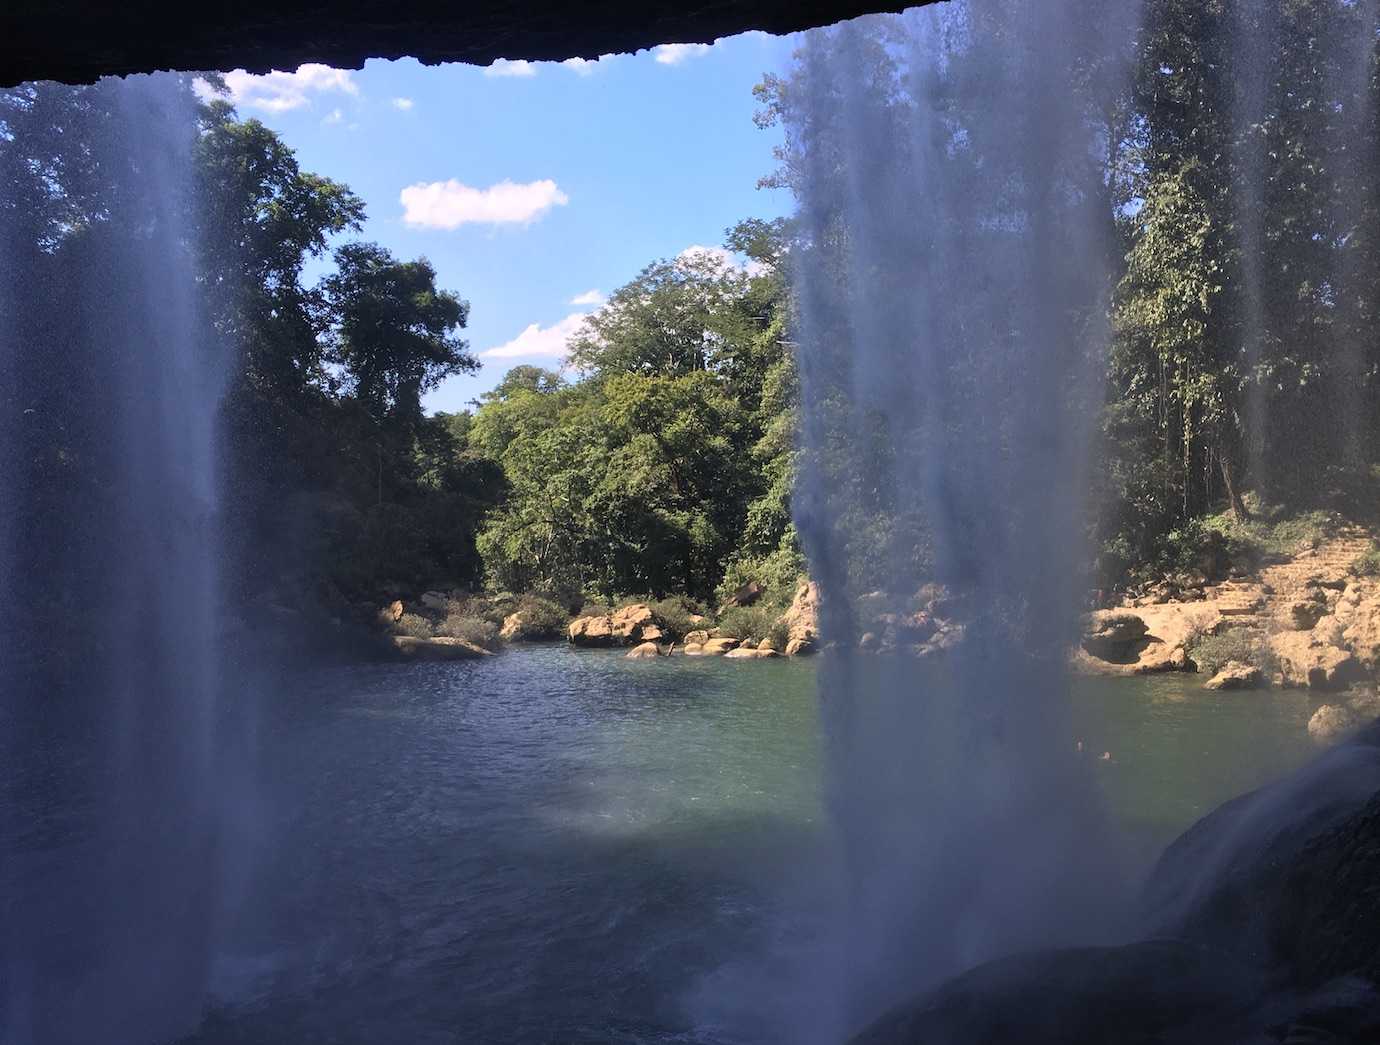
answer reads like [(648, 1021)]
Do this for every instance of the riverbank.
[(1306, 620)]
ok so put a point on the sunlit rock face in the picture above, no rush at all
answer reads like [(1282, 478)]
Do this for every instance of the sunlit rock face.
[(76, 41)]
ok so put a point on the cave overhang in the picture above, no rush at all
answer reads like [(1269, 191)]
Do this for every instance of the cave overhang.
[(78, 41)]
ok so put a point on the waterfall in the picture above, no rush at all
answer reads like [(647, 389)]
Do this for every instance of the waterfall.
[(957, 253), (113, 769)]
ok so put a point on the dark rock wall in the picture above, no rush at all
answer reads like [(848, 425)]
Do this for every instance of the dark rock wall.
[(77, 41)]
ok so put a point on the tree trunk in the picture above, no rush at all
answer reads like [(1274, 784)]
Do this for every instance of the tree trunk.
[(1238, 506)]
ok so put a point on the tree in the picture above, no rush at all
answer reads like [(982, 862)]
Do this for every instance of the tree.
[(392, 330)]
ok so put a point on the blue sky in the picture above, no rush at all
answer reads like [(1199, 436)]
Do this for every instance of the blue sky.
[(530, 186)]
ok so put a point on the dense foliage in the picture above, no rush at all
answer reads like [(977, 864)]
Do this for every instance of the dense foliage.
[(1233, 202), (1215, 169)]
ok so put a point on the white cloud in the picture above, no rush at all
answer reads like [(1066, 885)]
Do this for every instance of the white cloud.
[(450, 204), (402, 104), (585, 67), (503, 67), (280, 91), (721, 257), (589, 297), (547, 342), (336, 116), (674, 54)]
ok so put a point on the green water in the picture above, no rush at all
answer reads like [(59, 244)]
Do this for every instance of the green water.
[(555, 846)]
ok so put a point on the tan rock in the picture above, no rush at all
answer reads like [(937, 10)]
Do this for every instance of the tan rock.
[(1114, 635), (1235, 675), (718, 647), (1330, 722), (700, 637), (1306, 661), (440, 648), (644, 651), (512, 627), (800, 647), (395, 610), (693, 649), (1362, 629), (869, 641), (801, 618), (592, 631)]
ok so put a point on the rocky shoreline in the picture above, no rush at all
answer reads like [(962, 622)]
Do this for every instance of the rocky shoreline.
[(1305, 621)]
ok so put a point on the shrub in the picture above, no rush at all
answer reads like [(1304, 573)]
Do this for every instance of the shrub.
[(1211, 652), (754, 623), (474, 630), (593, 608), (415, 625), (1367, 564), (541, 618), (675, 613)]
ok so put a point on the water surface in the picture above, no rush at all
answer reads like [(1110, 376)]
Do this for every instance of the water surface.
[(556, 846)]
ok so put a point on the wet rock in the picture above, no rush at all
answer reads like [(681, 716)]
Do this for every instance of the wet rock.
[(1236, 675), (693, 649), (1157, 991), (644, 651)]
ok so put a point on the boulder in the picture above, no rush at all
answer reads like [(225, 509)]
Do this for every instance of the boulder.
[(869, 641), (700, 637), (436, 600), (1305, 613), (767, 644), (627, 626), (592, 631), (1114, 635), (644, 651), (744, 596), (1331, 722), (629, 622), (719, 647), (512, 627), (693, 649), (800, 647), (440, 648), (395, 610), (1285, 876), (1360, 614), (1235, 675), (749, 653), (801, 618), (1157, 991), (1306, 661)]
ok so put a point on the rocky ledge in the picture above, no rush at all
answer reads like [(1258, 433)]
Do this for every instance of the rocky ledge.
[(1306, 620)]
